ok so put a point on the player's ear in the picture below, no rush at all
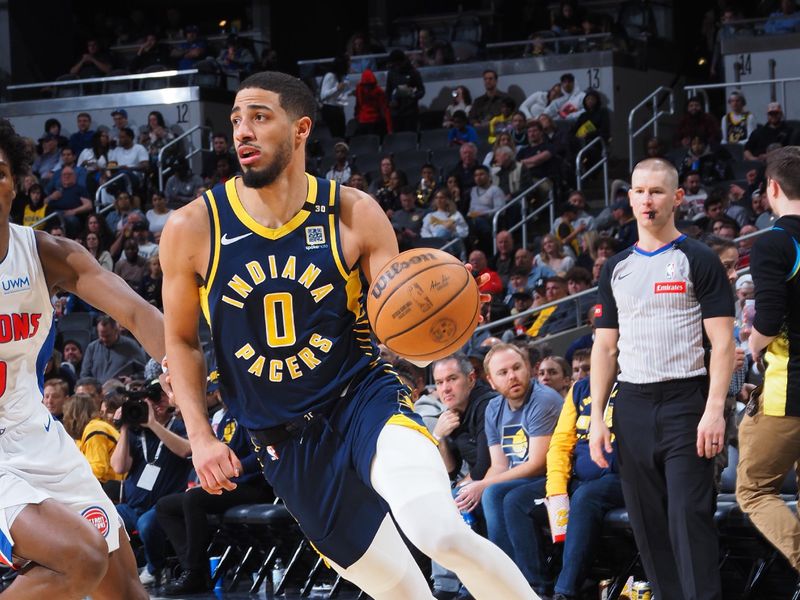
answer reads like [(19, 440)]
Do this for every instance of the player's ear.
[(303, 125)]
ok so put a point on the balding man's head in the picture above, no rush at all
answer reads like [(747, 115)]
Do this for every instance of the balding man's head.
[(657, 165)]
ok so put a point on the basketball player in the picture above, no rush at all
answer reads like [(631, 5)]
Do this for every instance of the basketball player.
[(51, 505), (277, 260)]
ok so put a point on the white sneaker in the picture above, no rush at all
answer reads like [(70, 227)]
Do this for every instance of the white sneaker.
[(147, 578)]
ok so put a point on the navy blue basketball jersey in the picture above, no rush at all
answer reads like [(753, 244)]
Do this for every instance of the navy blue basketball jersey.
[(286, 312)]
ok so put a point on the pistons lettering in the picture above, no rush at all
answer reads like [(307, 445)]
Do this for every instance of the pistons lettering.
[(389, 274), (97, 517), (18, 326), (670, 287)]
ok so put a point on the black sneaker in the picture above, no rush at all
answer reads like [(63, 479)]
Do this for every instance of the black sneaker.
[(190, 582)]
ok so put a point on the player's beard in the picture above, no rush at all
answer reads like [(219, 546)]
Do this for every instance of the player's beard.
[(259, 178)]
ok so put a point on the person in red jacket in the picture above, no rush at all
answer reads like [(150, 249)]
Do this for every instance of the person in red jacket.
[(480, 265), (372, 107)]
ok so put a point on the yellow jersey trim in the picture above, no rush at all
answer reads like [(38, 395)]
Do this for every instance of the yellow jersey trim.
[(215, 252), (405, 421), (776, 379), (258, 228)]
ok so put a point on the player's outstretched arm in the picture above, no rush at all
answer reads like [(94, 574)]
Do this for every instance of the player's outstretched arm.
[(69, 266), (184, 255)]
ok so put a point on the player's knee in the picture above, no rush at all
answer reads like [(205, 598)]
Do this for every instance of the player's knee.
[(444, 546), (87, 564)]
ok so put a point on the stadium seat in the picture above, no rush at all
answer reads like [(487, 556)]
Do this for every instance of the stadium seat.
[(68, 91), (740, 169), (366, 163), (434, 139), (365, 144), (446, 158), (154, 83), (399, 142), (79, 320), (411, 162), (467, 29), (735, 150), (117, 87)]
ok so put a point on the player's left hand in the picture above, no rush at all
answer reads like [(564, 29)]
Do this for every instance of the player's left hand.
[(480, 280), (710, 434), (215, 464), (469, 496)]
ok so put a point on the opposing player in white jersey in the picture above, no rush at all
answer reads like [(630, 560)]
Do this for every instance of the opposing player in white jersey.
[(56, 523)]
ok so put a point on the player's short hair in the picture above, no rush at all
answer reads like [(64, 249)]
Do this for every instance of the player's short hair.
[(502, 347), (659, 164), (16, 151), (464, 364), (783, 166), (294, 96), (57, 383)]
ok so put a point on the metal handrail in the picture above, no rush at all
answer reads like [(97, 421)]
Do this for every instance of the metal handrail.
[(185, 134), (652, 98), (101, 187), (602, 162), (550, 40), (522, 199), (67, 82), (782, 81), (44, 220), (253, 36), (330, 59)]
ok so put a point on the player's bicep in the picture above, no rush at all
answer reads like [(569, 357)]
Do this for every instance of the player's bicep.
[(377, 240)]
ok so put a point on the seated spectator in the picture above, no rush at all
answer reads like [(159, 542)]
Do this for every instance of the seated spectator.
[(54, 395), (95, 158), (555, 289), (539, 155), (696, 122), (508, 174), (140, 233), (181, 185), (372, 107), (48, 159), (480, 267), (381, 180), (464, 172), (68, 159), (519, 424), (461, 132), (220, 148), (581, 364), (407, 220), (504, 139), (72, 356), (517, 282), (150, 52), (96, 249), (518, 131), (158, 215), (485, 199), (461, 100), (96, 439), (131, 266), (502, 259), (341, 170), (580, 280), (570, 104), (155, 135), (694, 195), (535, 105), (775, 134), (488, 104), (35, 209), (191, 50), (712, 165), (82, 139), (154, 458), (552, 255), (785, 20), (762, 210), (129, 157), (111, 352), (117, 219), (357, 181), (427, 186), (501, 122), (594, 121), (71, 201), (445, 222), (583, 342), (334, 92), (93, 63), (592, 491), (460, 430), (523, 259), (183, 515), (568, 19), (567, 231), (121, 121), (627, 233), (725, 227), (722, 206), (654, 148), (555, 373), (569, 315), (234, 57), (737, 124), (389, 197)]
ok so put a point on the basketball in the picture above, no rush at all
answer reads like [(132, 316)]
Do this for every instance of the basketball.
[(424, 304)]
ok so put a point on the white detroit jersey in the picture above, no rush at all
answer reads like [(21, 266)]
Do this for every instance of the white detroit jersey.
[(38, 459)]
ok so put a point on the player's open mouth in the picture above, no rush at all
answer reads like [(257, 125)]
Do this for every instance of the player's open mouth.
[(248, 155)]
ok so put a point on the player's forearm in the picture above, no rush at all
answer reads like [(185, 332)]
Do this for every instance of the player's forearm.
[(187, 376), (720, 370), (147, 325), (604, 370)]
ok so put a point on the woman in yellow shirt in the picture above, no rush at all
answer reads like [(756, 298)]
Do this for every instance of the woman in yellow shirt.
[(95, 438)]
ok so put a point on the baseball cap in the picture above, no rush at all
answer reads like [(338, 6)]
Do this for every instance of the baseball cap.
[(120, 111), (774, 107), (338, 145), (212, 381), (523, 295)]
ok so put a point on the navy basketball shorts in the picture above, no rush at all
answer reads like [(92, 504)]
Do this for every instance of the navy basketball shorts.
[(323, 473)]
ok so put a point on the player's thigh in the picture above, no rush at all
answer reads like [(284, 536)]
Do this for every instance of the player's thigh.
[(121, 581), (53, 536)]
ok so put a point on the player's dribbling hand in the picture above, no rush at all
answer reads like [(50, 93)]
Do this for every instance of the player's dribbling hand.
[(215, 464), (480, 280), (600, 443)]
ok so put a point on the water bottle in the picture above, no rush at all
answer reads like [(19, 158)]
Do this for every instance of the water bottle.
[(278, 571), (469, 519)]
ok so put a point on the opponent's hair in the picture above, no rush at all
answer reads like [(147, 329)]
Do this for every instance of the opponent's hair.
[(661, 164), (294, 96), (16, 151), (783, 165)]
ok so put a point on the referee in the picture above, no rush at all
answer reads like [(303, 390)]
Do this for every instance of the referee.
[(769, 435), (655, 301)]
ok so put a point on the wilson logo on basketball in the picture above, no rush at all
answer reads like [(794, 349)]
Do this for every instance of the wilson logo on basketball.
[(97, 517), (670, 287), (397, 267)]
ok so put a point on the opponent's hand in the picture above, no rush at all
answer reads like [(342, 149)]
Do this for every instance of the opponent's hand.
[(480, 280), (469, 496), (600, 443), (710, 434), (215, 465), (447, 422)]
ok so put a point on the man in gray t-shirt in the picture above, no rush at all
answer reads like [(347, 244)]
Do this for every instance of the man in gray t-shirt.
[(519, 424)]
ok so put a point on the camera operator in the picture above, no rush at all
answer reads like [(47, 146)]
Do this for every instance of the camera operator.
[(153, 451)]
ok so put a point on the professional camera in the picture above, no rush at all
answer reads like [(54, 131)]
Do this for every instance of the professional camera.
[(134, 409)]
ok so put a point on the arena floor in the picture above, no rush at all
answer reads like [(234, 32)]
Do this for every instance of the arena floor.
[(243, 595)]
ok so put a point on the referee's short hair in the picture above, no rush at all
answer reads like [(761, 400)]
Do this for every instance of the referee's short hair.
[(783, 165), (660, 164)]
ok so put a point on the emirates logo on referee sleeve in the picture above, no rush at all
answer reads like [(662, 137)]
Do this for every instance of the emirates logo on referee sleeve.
[(598, 310), (670, 287)]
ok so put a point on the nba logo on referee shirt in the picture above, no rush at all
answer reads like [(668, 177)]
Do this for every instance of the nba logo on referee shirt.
[(671, 270)]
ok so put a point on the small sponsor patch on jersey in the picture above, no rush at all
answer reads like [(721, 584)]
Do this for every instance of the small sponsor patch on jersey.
[(315, 235), (97, 517), (12, 285), (670, 287), (598, 310)]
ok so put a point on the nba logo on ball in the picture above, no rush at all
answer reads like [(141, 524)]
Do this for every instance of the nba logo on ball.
[(443, 330), (97, 517)]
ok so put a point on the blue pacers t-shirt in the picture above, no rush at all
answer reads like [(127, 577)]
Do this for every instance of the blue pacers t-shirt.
[(512, 428)]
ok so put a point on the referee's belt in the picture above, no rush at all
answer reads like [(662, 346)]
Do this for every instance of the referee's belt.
[(272, 436)]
